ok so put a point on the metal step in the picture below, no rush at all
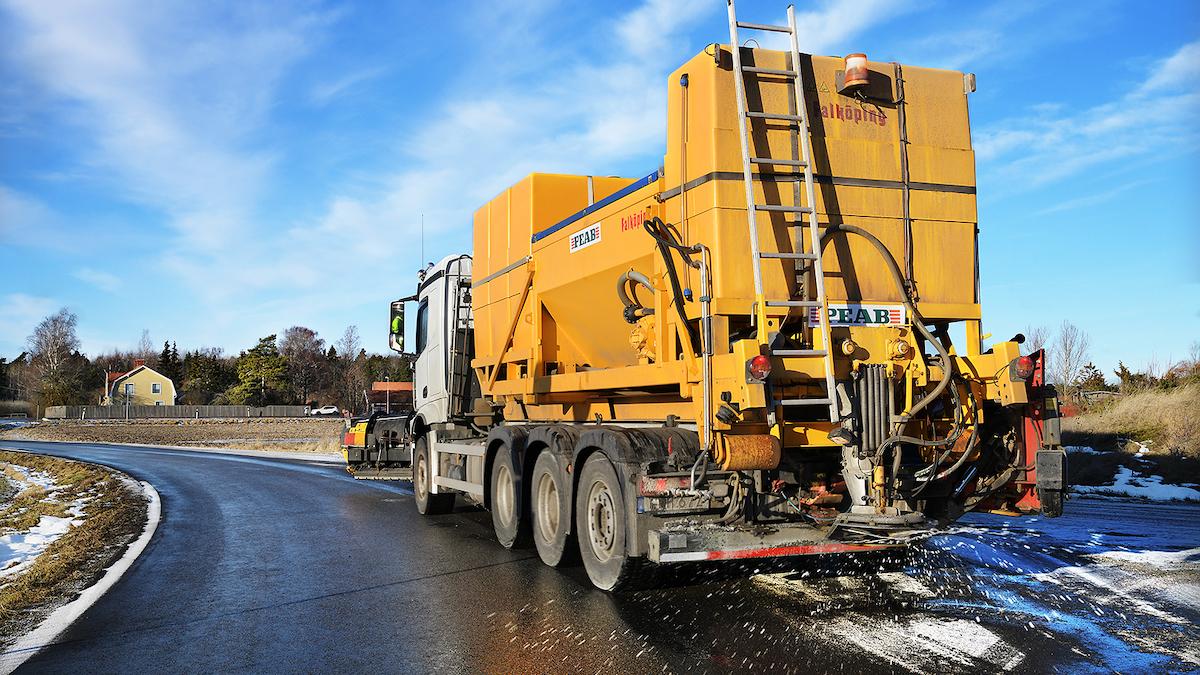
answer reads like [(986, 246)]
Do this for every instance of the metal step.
[(763, 26), (793, 303), (773, 116), (782, 209), (805, 401), (769, 71), (798, 352), (788, 256), (785, 162)]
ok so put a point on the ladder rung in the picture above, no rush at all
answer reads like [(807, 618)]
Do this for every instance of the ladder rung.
[(798, 352), (763, 26), (793, 303), (770, 71), (782, 209), (789, 256), (773, 116), (805, 401), (784, 162)]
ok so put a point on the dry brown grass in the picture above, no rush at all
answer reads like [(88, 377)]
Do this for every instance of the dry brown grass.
[(1168, 418), (113, 516)]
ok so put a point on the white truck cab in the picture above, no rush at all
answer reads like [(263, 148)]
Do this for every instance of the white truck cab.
[(442, 338)]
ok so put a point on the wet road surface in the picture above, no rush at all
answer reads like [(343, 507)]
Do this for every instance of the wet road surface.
[(263, 565)]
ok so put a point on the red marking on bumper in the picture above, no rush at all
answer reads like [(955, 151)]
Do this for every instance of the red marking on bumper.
[(778, 551)]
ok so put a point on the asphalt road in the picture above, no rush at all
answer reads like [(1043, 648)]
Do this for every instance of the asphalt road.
[(266, 565)]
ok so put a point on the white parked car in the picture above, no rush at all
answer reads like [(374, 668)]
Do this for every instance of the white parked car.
[(325, 410)]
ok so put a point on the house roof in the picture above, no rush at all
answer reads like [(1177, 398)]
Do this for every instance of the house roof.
[(114, 376), (112, 381)]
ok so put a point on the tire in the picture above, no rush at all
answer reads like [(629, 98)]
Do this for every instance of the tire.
[(512, 530), (600, 526), (427, 504), (550, 510)]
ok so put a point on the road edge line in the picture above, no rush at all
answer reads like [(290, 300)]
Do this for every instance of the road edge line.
[(61, 619)]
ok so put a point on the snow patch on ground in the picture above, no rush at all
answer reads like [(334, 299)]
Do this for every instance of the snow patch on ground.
[(19, 550), (1162, 559), (1129, 483), (31, 477)]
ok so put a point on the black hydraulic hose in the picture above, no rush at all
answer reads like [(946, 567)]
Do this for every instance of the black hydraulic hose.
[(947, 364), (662, 234)]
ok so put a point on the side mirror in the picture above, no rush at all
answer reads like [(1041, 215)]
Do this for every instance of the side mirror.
[(396, 327)]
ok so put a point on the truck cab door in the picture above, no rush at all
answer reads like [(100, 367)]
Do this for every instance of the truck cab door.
[(429, 389)]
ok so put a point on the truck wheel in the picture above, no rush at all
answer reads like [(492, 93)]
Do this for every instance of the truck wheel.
[(550, 508), (600, 525), (428, 504), (511, 530)]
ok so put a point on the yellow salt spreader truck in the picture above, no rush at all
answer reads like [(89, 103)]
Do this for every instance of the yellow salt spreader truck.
[(745, 353)]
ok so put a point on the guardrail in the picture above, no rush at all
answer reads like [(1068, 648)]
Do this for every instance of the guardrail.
[(131, 412)]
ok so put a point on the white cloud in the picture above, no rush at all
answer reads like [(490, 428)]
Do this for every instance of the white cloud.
[(22, 217), (1180, 70), (827, 29), (1052, 142), (325, 92), (104, 281), (19, 314), (168, 99)]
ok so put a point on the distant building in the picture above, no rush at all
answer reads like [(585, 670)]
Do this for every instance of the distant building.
[(391, 396), (141, 386)]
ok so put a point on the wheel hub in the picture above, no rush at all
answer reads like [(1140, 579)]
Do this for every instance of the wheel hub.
[(601, 517), (504, 495), (547, 507)]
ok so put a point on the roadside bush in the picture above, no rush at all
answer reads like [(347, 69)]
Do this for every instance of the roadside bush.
[(1165, 419)]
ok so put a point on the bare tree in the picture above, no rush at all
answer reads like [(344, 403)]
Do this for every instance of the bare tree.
[(352, 372), (349, 345), (145, 349), (1036, 337), (1071, 354), (52, 349)]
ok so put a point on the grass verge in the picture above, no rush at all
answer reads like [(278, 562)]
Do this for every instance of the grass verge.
[(113, 515)]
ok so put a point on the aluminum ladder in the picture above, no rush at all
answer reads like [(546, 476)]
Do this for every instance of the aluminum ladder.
[(798, 124)]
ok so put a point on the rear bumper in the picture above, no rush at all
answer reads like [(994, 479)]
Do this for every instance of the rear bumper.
[(718, 543)]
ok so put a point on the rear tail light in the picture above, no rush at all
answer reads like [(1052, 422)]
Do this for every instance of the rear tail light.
[(1022, 368), (759, 367)]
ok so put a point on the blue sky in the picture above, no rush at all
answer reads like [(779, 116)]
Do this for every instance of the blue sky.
[(215, 172)]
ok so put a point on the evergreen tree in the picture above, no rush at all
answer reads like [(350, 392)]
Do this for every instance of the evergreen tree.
[(206, 376), (262, 375), (1091, 379), (169, 364)]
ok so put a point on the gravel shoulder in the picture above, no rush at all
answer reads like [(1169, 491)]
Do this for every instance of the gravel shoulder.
[(62, 523)]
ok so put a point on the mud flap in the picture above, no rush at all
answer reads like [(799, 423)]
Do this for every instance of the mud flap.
[(1051, 481)]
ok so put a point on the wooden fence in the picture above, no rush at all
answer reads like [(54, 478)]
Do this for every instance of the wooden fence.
[(132, 412)]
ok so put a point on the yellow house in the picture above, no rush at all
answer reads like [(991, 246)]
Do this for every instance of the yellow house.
[(141, 386)]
